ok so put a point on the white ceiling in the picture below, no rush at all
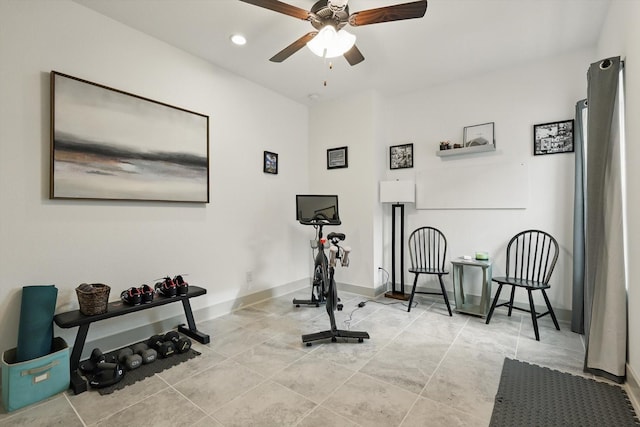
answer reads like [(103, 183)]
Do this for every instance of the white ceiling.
[(455, 39)]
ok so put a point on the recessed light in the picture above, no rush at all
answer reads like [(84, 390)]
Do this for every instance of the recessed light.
[(238, 39)]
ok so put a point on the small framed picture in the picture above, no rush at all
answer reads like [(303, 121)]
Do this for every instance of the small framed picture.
[(401, 156), (478, 135), (338, 158), (270, 164), (553, 138)]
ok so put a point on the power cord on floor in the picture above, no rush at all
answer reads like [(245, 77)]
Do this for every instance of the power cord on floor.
[(347, 322), (363, 303), (386, 286)]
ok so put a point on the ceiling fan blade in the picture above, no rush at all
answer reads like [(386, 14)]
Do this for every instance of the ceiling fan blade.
[(293, 47), (353, 56), (396, 12), (280, 7)]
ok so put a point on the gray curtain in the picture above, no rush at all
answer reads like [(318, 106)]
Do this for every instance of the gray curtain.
[(577, 309), (605, 304)]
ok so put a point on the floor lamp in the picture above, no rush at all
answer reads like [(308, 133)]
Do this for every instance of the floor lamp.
[(397, 193)]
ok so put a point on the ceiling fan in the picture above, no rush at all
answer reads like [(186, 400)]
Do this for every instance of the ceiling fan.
[(332, 16)]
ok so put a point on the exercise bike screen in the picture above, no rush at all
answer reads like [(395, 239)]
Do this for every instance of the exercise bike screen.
[(309, 206)]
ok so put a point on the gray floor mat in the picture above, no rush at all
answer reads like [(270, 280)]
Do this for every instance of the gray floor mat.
[(530, 395)]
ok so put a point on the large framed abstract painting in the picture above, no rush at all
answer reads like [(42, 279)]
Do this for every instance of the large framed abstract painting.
[(113, 145)]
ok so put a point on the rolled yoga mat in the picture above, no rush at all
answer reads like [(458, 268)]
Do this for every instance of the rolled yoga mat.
[(35, 331)]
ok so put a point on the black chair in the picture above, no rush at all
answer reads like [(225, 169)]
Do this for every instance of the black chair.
[(531, 257), (428, 251)]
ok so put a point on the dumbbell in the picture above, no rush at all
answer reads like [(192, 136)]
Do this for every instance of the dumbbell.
[(101, 362), (164, 348), (147, 354), (182, 345), (131, 360), (96, 358), (106, 374)]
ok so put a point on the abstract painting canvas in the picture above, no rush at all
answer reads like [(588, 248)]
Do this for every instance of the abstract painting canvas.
[(110, 144)]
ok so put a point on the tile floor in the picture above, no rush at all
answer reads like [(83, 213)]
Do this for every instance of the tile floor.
[(421, 368)]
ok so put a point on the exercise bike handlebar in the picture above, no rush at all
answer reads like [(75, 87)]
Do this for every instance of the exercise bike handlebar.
[(336, 237), (320, 219)]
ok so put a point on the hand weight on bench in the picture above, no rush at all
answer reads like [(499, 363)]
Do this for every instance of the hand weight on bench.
[(148, 355), (131, 360), (182, 345), (164, 348)]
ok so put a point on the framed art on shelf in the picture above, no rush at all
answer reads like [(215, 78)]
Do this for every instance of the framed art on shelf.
[(553, 137), (338, 158), (477, 135), (401, 156), (270, 163), (108, 144)]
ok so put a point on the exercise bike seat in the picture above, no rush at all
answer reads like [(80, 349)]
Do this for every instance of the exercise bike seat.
[(339, 236)]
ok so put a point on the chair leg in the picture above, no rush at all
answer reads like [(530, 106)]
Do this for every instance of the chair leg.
[(493, 304), (413, 292), (534, 316), (513, 292), (553, 315), (444, 294)]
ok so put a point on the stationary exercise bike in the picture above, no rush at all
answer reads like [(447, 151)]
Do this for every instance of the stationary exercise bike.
[(324, 282), (318, 288)]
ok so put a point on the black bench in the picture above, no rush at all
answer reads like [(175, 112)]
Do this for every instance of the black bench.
[(71, 319)]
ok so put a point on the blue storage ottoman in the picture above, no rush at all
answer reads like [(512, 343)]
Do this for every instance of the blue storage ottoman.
[(31, 381)]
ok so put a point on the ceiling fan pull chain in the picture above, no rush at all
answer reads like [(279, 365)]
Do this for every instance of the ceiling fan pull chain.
[(331, 16), (326, 73)]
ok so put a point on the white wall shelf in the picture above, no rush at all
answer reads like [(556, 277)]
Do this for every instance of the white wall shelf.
[(465, 150)]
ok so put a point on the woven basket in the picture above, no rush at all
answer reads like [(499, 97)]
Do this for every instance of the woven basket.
[(93, 298)]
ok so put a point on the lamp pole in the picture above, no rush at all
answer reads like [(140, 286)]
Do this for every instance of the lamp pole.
[(397, 294), (397, 193)]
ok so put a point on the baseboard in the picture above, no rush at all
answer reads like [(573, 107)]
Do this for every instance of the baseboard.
[(632, 386), (562, 314), (123, 338), (127, 337), (361, 290)]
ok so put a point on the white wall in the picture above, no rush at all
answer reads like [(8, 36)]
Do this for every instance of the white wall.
[(515, 99), (351, 122), (249, 226), (621, 36)]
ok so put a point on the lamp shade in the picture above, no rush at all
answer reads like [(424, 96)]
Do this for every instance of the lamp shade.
[(328, 43), (397, 191)]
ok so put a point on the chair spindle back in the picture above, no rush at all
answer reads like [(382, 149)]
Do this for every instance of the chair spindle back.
[(428, 249), (532, 255)]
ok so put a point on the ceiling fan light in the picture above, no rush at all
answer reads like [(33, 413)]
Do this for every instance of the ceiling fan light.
[(319, 44), (329, 43), (346, 40)]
